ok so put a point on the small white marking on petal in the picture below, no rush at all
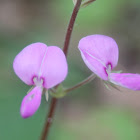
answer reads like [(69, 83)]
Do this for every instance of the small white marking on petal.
[(38, 82), (108, 69), (95, 58), (29, 98), (39, 74)]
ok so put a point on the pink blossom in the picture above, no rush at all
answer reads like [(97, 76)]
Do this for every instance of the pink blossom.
[(40, 66), (100, 54)]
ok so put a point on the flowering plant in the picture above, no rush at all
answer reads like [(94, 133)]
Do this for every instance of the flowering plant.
[(45, 68), (42, 67), (100, 54)]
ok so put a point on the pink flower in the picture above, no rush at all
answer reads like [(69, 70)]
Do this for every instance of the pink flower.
[(100, 54), (42, 67)]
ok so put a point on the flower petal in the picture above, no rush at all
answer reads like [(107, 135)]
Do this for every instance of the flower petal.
[(27, 63), (127, 80), (54, 68), (31, 102), (98, 51)]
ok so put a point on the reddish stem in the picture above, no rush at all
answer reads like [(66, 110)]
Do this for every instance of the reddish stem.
[(70, 26), (50, 115), (49, 119)]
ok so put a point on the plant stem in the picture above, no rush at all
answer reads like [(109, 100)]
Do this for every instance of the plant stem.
[(49, 119), (85, 81), (50, 115), (70, 27)]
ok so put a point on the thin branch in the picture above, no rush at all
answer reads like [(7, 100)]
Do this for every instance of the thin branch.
[(85, 81), (65, 50), (70, 26), (49, 119)]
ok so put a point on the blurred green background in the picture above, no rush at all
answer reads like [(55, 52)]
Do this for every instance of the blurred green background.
[(91, 112)]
